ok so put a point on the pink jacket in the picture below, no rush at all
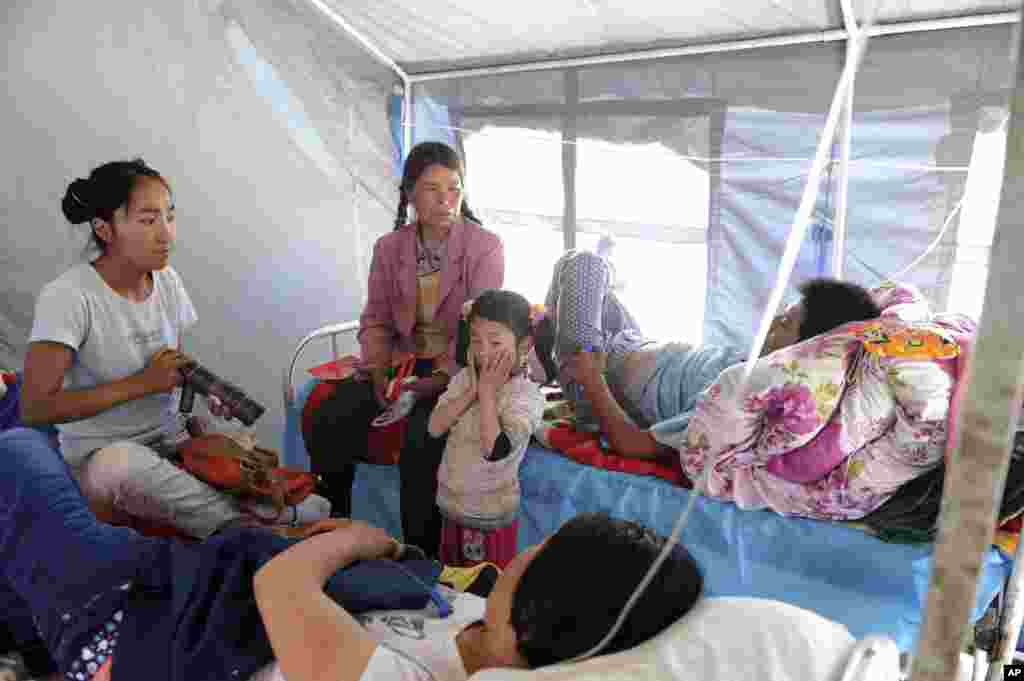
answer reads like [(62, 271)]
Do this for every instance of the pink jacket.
[(475, 262)]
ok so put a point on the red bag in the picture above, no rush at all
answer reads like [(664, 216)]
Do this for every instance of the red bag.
[(383, 444), (222, 463), (336, 370)]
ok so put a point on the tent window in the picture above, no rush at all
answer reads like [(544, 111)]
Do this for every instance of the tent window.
[(514, 184), (649, 197)]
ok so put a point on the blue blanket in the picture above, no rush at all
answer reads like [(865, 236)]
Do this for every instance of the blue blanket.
[(191, 614)]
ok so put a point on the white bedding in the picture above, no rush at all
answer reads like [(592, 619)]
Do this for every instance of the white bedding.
[(729, 639)]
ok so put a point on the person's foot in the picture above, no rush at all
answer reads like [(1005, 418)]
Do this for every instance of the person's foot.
[(311, 509)]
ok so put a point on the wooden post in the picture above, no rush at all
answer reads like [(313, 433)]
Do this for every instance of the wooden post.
[(977, 469)]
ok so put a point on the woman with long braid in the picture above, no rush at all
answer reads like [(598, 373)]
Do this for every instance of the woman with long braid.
[(421, 275)]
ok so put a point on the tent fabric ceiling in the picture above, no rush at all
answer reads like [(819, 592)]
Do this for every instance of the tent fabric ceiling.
[(423, 36)]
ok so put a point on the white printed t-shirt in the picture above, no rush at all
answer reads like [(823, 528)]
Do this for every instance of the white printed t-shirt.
[(413, 645), (112, 338)]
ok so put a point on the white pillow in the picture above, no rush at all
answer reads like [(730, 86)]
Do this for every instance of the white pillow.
[(725, 639)]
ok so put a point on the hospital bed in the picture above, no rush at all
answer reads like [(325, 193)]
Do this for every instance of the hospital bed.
[(837, 571)]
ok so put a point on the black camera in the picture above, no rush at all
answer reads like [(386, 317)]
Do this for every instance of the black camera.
[(201, 380)]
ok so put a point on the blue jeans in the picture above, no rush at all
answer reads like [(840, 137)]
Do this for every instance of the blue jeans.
[(55, 557), (190, 614), (586, 313)]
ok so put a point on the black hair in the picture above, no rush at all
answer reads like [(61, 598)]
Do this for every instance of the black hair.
[(544, 348), (512, 310), (422, 156), (573, 590), (828, 303), (505, 307), (107, 188)]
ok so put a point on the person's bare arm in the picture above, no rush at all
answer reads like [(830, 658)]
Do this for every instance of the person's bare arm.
[(624, 436), (44, 400), (313, 638)]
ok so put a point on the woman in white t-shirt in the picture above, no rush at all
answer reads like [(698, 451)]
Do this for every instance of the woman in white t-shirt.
[(105, 357)]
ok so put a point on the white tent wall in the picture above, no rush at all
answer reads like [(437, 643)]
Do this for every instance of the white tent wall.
[(271, 128)]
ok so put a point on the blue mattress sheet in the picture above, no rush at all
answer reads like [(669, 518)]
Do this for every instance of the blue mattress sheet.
[(840, 572)]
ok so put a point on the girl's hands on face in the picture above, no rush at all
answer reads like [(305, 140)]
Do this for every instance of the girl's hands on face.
[(494, 372)]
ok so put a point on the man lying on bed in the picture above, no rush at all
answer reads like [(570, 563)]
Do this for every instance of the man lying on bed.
[(164, 610), (638, 382)]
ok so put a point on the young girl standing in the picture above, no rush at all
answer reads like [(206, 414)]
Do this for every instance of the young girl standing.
[(491, 408)]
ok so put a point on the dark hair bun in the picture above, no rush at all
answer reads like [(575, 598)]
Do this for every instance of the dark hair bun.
[(76, 203)]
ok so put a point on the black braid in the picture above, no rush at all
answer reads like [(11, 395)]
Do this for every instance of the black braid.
[(403, 208), (467, 213), (544, 347)]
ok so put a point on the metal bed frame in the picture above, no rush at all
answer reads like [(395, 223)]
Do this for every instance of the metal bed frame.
[(332, 330)]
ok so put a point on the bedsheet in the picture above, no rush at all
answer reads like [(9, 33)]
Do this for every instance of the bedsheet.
[(838, 571)]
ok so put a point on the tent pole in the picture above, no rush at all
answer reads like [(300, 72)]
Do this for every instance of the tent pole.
[(727, 46), (807, 201), (979, 457), (384, 59), (365, 42), (407, 118), (569, 159), (845, 132), (839, 220)]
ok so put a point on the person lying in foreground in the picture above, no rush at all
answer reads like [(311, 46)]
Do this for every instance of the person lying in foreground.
[(112, 604)]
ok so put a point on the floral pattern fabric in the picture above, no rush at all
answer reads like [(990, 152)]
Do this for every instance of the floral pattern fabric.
[(848, 426), (93, 660)]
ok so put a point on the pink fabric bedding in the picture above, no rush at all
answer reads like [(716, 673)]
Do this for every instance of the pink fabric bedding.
[(827, 429)]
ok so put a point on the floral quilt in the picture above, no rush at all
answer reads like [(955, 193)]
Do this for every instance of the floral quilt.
[(831, 427)]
